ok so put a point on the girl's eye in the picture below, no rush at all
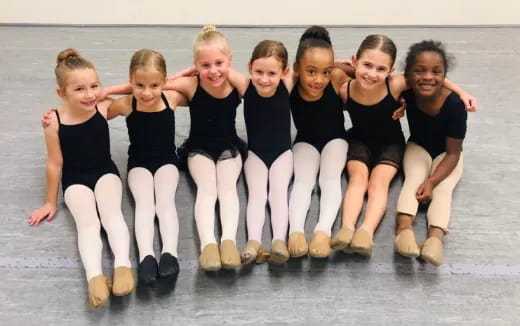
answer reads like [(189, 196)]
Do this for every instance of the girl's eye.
[(79, 89), (327, 72), (382, 69), (368, 65), (311, 72), (272, 73), (95, 86)]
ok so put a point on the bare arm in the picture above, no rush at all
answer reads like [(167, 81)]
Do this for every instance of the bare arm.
[(339, 80), (53, 174), (289, 79), (238, 80), (346, 66), (123, 89), (176, 99), (184, 85), (469, 100), (443, 170)]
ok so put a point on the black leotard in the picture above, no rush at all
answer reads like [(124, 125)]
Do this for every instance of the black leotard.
[(430, 132), (212, 132), (85, 148), (375, 137), (152, 138), (320, 121), (268, 123)]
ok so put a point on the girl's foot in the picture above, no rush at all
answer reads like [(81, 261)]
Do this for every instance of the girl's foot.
[(342, 239), (362, 243), (279, 252), (297, 244), (250, 251), (229, 255), (320, 245), (406, 245), (147, 270), (168, 266), (124, 281), (432, 251), (98, 291), (209, 259)]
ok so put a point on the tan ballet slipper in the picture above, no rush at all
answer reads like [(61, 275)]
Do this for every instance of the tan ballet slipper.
[(406, 245), (98, 291), (279, 252), (124, 281), (209, 259), (342, 239), (362, 243), (297, 246), (432, 251), (262, 256), (320, 245), (229, 255), (250, 251)]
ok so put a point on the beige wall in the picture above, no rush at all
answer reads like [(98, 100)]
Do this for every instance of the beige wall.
[(262, 12)]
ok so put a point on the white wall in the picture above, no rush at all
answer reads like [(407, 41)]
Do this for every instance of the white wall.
[(262, 12)]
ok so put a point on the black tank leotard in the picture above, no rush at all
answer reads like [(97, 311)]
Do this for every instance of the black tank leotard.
[(85, 148), (375, 137), (212, 132), (268, 123), (152, 138), (320, 121)]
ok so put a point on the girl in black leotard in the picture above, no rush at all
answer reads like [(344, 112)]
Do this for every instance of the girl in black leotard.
[(269, 161), (320, 143), (433, 161), (376, 142), (78, 149), (153, 172), (213, 149)]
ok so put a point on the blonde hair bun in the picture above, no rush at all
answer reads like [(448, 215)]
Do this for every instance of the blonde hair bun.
[(65, 54)]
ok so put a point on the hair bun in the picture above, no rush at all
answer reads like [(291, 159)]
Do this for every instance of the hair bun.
[(209, 28), (65, 54), (316, 32)]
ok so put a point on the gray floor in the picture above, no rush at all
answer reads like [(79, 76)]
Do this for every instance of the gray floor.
[(479, 284)]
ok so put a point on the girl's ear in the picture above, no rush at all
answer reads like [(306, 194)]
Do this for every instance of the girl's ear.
[(295, 69), (354, 60), (60, 93), (250, 68), (391, 70), (285, 72)]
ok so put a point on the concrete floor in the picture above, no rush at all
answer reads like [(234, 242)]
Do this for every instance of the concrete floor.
[(479, 284)]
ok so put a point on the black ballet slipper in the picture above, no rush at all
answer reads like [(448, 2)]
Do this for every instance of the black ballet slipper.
[(148, 270), (168, 266)]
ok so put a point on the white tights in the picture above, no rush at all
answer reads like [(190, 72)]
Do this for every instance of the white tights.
[(81, 202), (258, 177), (215, 181), (155, 195), (307, 163)]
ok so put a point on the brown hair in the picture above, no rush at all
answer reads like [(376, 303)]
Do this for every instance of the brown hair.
[(378, 42), (268, 48), (210, 34), (146, 58), (313, 37), (67, 61)]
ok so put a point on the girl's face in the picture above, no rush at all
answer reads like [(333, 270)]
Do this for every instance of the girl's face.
[(82, 90), (213, 65), (147, 85), (266, 74), (314, 70), (427, 74), (372, 68)]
